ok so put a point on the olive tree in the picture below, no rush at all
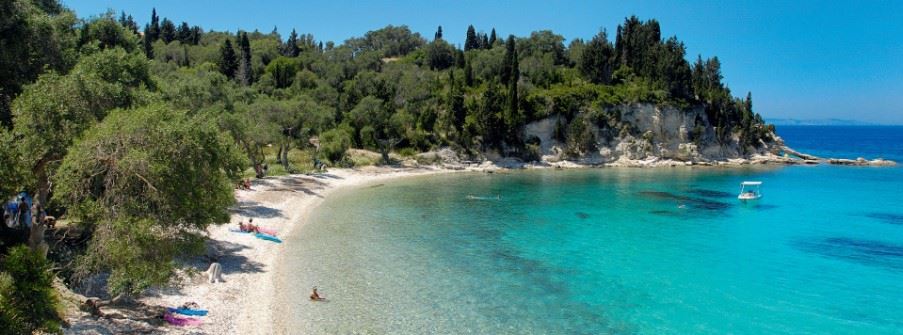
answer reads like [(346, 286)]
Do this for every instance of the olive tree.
[(146, 182)]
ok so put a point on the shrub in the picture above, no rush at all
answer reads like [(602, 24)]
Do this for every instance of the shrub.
[(334, 143), (27, 299)]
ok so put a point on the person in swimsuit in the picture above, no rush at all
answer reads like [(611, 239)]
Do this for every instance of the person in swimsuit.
[(314, 296)]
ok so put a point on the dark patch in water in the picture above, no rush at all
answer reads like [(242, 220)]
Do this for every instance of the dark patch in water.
[(582, 215), (697, 203), (710, 193), (763, 207), (887, 217), (867, 252), (664, 213)]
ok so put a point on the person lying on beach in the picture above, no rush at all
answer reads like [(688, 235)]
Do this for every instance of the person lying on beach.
[(316, 296), (248, 228)]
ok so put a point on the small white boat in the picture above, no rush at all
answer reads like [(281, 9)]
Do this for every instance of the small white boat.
[(750, 190)]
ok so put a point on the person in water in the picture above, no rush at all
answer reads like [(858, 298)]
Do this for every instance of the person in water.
[(314, 296)]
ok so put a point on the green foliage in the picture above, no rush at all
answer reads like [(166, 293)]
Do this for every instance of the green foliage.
[(145, 179), (334, 143), (597, 59), (390, 41), (35, 37), (28, 301), (282, 70), (228, 61), (107, 33)]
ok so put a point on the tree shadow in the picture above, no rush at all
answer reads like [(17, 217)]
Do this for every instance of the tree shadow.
[(254, 209), (324, 176), (226, 253)]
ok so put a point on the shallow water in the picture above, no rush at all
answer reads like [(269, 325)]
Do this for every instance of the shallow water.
[(604, 251)]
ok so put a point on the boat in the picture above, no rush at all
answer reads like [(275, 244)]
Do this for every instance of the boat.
[(750, 190)]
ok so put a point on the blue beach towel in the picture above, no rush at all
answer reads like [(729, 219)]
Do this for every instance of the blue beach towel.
[(187, 311), (263, 236)]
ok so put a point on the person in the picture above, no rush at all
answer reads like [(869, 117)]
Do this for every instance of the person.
[(250, 227), (314, 296), (22, 213)]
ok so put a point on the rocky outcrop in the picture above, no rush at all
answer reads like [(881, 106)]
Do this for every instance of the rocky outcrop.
[(647, 132)]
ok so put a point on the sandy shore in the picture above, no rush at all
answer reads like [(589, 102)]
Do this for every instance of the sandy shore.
[(280, 203)]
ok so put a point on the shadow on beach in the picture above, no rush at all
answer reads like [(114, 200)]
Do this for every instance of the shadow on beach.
[(255, 210)]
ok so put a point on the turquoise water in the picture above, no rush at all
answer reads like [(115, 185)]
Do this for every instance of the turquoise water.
[(604, 251)]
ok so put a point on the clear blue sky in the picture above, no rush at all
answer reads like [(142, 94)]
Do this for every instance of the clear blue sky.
[(800, 59)]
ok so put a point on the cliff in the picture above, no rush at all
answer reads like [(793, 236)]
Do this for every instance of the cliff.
[(638, 132)]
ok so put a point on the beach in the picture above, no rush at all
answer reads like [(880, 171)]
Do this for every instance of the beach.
[(241, 304)]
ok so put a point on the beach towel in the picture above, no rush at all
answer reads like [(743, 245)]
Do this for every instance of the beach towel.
[(268, 237), (181, 321), (187, 311), (268, 231)]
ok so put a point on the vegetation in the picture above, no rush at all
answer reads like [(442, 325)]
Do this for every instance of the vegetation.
[(139, 138)]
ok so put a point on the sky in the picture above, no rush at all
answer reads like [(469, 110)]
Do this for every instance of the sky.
[(800, 59)]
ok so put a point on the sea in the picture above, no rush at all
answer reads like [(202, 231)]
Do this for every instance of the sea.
[(612, 250)]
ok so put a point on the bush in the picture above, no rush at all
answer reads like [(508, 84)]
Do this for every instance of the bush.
[(27, 299), (334, 143)]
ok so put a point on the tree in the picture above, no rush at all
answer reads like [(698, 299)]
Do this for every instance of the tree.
[(440, 55), (512, 117), (35, 36), (597, 60), (153, 28), (509, 62), (492, 38), (143, 206), (468, 74), (283, 71), (167, 31), (438, 35), (28, 302), (148, 42), (244, 74), (196, 33), (54, 111), (456, 103), (183, 34), (290, 49), (470, 41), (228, 62)]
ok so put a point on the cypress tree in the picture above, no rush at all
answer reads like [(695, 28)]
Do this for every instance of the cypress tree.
[(153, 31), (456, 103), (244, 74), (468, 74), (438, 35), (508, 63), (291, 45), (484, 42), (148, 42), (470, 41), (492, 39), (459, 59), (228, 63), (196, 33), (512, 117)]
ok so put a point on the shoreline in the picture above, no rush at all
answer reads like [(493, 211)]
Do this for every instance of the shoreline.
[(245, 301)]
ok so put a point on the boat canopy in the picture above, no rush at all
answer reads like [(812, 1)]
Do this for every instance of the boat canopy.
[(751, 183)]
